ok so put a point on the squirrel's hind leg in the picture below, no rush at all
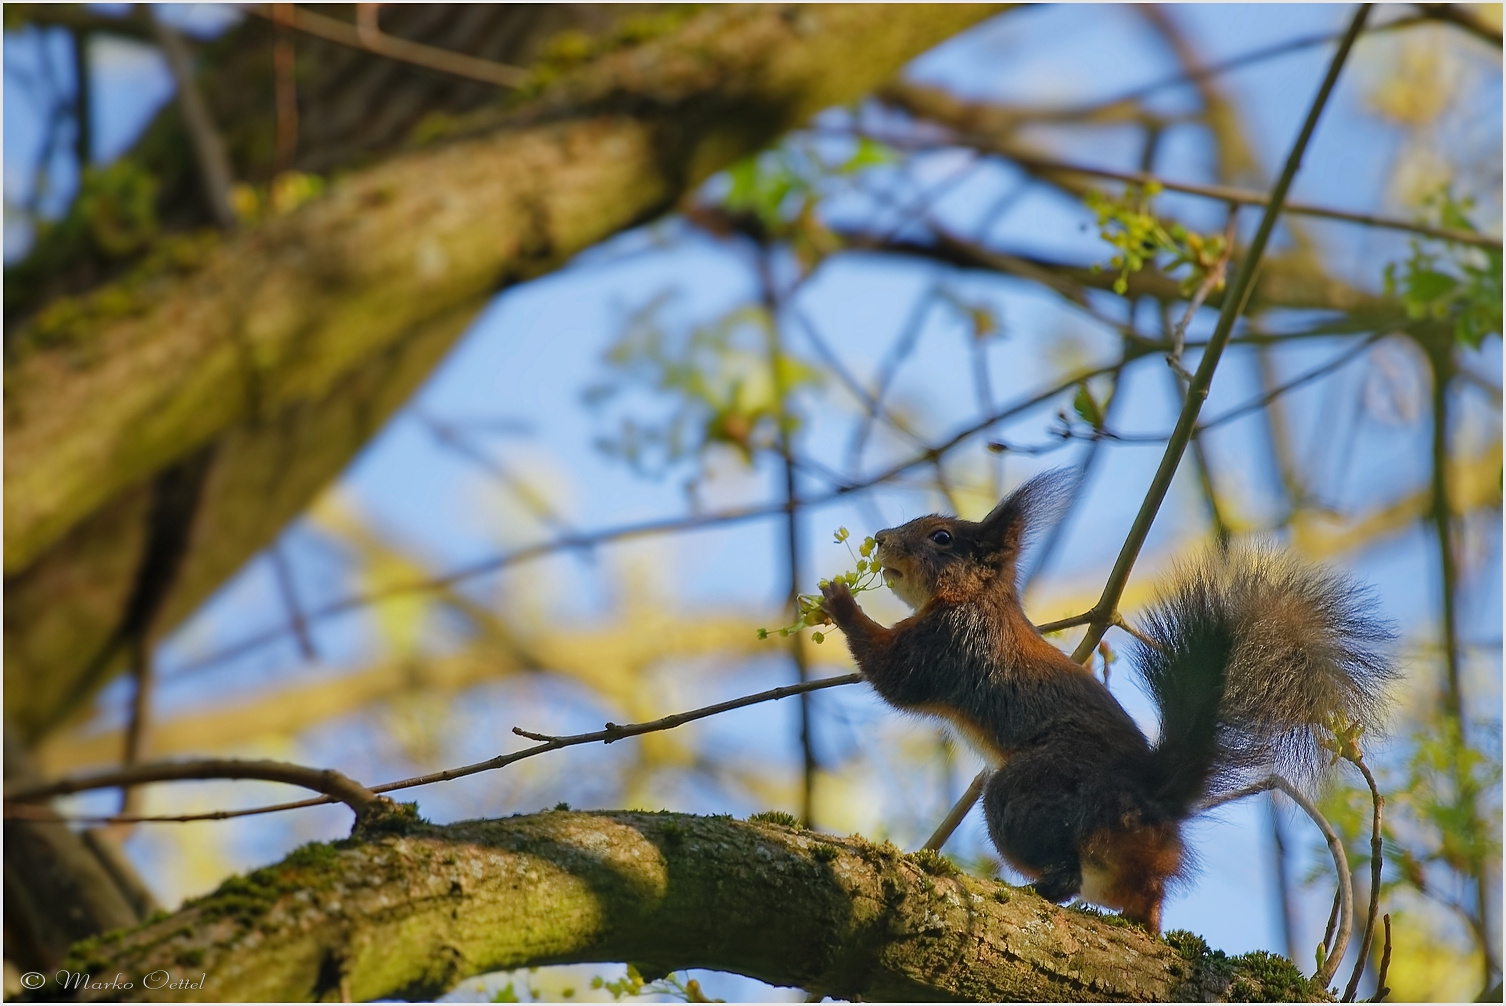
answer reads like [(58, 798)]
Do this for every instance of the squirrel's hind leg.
[(1127, 869), (1028, 824)]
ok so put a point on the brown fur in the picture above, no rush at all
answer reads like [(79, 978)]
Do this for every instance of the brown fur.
[(1079, 800)]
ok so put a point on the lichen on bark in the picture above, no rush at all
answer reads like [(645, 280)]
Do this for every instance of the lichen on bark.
[(412, 914)]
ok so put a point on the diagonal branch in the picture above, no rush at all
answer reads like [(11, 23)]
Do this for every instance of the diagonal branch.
[(208, 148), (371, 39), (1197, 389), (1104, 612)]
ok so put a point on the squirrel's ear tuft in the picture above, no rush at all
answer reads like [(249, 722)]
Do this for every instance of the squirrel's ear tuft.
[(1028, 510)]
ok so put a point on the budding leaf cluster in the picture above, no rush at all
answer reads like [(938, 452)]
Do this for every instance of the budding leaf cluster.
[(866, 574), (1142, 239)]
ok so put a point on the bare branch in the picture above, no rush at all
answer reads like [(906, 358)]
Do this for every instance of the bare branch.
[(208, 148), (334, 785), (1197, 389), (957, 813), (1381, 991), (1045, 165), (1378, 803), (1461, 16), (611, 733), (401, 50), (1332, 960)]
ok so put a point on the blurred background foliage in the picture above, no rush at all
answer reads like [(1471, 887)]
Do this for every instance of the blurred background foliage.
[(625, 468)]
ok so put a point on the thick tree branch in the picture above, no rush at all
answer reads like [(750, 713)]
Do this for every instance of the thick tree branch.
[(412, 915), (239, 336)]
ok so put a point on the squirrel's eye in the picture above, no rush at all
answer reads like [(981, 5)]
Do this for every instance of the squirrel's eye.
[(942, 538)]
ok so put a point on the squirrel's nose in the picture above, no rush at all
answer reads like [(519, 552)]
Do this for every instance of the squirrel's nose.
[(879, 538)]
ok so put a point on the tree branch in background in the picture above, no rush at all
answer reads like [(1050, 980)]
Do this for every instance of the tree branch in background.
[(1106, 610), (289, 591), (1461, 16), (335, 310), (209, 149), (285, 88), (962, 118), (369, 38), (1197, 389), (214, 769), (336, 786)]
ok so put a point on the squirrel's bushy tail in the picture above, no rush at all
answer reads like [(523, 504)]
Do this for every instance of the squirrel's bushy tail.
[(1249, 654)]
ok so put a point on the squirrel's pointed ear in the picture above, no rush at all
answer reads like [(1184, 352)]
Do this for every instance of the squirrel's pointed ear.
[(1030, 509)]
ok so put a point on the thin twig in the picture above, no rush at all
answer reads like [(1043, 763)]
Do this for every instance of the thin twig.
[(588, 540), (870, 404), (1378, 802), (1283, 886), (1381, 990), (285, 88), (612, 732), (209, 149), (289, 591), (1211, 282), (1257, 403), (334, 785), (1192, 76), (401, 50), (957, 813), (1119, 622), (1333, 924), (909, 336), (1197, 390), (1222, 193), (783, 421), (1332, 959)]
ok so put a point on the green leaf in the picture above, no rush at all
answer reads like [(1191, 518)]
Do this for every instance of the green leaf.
[(1430, 285)]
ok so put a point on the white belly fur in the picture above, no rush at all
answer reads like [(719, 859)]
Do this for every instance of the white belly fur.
[(1096, 884)]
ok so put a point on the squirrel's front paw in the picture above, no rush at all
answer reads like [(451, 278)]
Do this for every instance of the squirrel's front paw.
[(839, 603)]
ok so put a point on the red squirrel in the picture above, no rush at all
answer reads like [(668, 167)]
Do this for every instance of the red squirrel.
[(1247, 656)]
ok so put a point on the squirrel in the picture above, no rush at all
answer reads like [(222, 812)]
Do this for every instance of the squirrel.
[(1248, 656)]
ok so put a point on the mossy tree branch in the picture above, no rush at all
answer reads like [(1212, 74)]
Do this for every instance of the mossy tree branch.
[(327, 316), (413, 914)]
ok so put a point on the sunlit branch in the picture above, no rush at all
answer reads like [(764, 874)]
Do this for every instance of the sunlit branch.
[(495, 564), (1234, 302), (327, 778), (334, 785), (1331, 961), (1182, 78), (1222, 193)]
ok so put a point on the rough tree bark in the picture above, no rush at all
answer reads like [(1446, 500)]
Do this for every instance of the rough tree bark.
[(271, 355), (411, 915)]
